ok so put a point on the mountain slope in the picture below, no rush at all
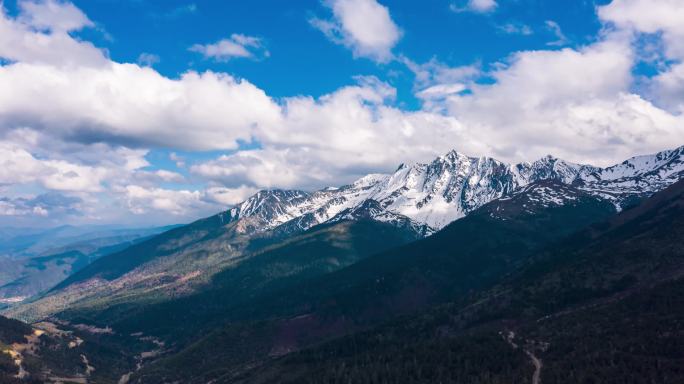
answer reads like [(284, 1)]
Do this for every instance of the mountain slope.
[(423, 197), (469, 254), (606, 305), (57, 352), (270, 271)]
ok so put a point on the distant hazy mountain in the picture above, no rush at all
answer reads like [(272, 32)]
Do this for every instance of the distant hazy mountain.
[(31, 242), (39, 259)]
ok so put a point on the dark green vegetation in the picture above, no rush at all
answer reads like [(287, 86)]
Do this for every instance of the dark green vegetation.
[(522, 287), (162, 267), (49, 352), (604, 306), (265, 274), (276, 266), (470, 254), (12, 331), (117, 264)]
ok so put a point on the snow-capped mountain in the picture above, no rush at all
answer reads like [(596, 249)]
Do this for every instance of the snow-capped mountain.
[(428, 196), (638, 176), (539, 195)]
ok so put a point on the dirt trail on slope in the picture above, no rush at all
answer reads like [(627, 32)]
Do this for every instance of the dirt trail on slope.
[(537, 367), (144, 356), (537, 362)]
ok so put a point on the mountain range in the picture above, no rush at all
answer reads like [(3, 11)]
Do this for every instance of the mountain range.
[(604, 305), (261, 292), (433, 194), (422, 197)]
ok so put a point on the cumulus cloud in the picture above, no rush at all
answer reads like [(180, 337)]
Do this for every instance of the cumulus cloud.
[(650, 16), (336, 138), (364, 26), (40, 35), (662, 19), (141, 200), (668, 88), (20, 166), (134, 105), (575, 104), (53, 15), (236, 46), (87, 97), (229, 196), (176, 202)]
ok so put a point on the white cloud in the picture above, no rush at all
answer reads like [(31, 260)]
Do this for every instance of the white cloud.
[(236, 46), (53, 15), (38, 35), (434, 72), (561, 39), (440, 91), (364, 26), (575, 104), (516, 29), (650, 16), (142, 200), (229, 196), (434, 81), (148, 59), (662, 18), (479, 6), (134, 105), (337, 138), (668, 88), (176, 202), (179, 160), (87, 97), (20, 166), (169, 176)]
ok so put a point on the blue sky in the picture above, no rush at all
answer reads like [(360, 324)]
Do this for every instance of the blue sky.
[(154, 112), (302, 60)]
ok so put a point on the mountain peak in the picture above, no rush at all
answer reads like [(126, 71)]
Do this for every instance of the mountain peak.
[(452, 185), (454, 154)]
